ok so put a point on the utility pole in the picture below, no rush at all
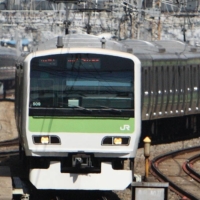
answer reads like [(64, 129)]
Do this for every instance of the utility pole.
[(159, 21), (139, 14), (184, 30), (156, 21), (159, 29), (134, 22)]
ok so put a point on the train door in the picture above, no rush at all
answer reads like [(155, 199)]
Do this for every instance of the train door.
[(159, 81), (188, 91), (181, 90), (146, 92), (194, 88)]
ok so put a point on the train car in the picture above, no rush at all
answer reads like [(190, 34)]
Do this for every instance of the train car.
[(170, 87), (8, 59), (78, 113)]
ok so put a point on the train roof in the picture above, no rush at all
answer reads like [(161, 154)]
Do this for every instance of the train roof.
[(161, 50), (8, 51), (83, 40), (147, 52)]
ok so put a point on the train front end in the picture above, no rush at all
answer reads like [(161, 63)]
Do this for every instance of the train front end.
[(81, 118)]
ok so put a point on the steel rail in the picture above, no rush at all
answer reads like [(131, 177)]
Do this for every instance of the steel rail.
[(190, 170), (156, 172), (6, 153), (12, 142)]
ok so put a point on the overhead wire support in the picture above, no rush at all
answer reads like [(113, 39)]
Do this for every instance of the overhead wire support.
[(185, 14), (85, 5)]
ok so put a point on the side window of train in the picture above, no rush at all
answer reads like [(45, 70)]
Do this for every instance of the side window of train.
[(184, 86), (179, 79), (156, 86), (189, 80), (195, 78), (187, 86), (146, 90), (176, 84), (146, 82), (180, 83), (191, 85), (198, 86), (165, 80), (160, 81), (171, 83), (194, 85), (168, 80)]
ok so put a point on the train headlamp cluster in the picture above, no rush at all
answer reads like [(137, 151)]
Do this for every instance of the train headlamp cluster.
[(46, 139), (115, 140)]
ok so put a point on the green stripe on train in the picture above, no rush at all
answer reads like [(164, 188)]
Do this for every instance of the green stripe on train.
[(81, 125)]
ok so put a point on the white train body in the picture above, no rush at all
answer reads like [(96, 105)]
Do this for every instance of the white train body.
[(78, 114)]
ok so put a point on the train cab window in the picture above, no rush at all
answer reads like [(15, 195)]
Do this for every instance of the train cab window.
[(42, 92), (82, 80)]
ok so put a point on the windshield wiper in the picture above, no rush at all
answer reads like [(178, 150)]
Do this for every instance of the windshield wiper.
[(112, 110), (81, 108)]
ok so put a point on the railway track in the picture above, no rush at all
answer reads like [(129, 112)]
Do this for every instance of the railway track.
[(6, 153), (9, 143), (176, 168), (190, 168)]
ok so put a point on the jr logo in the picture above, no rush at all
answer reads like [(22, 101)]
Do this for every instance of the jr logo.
[(125, 128)]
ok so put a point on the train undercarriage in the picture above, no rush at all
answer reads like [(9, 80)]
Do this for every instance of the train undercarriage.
[(171, 129)]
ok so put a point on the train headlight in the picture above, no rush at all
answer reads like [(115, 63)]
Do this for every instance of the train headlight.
[(117, 141), (45, 140), (112, 141)]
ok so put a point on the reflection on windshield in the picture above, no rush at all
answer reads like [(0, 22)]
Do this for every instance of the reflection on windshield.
[(81, 80)]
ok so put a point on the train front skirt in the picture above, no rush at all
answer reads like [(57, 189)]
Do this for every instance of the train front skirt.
[(107, 179)]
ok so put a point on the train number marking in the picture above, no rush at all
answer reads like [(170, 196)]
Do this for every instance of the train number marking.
[(36, 103), (125, 128)]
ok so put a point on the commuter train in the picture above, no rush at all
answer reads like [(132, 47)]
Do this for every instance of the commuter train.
[(82, 108), (78, 113), (170, 83)]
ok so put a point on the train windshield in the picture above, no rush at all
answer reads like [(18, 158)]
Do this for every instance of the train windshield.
[(91, 81)]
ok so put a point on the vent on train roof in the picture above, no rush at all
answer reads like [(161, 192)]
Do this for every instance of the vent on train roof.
[(129, 50), (161, 50), (193, 49), (60, 42), (103, 43)]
